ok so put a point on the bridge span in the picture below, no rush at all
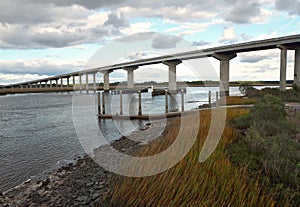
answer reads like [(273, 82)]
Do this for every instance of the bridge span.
[(223, 53)]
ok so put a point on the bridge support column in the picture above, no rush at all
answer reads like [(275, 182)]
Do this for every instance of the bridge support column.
[(283, 61), (94, 82), (46, 84), (130, 76), (50, 83), (87, 82), (172, 74), (56, 83), (40, 84), (73, 77), (80, 82), (224, 71), (68, 81), (297, 68), (106, 80), (61, 83)]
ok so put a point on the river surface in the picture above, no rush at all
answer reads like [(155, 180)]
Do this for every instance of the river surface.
[(37, 132)]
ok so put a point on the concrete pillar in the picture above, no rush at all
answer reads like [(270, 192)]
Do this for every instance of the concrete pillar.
[(50, 83), (56, 85), (61, 82), (30, 85), (172, 74), (130, 76), (106, 80), (40, 84), (68, 81), (87, 82), (94, 82), (80, 82), (46, 84), (21, 86), (283, 61), (73, 77), (224, 71), (297, 68), (140, 103)]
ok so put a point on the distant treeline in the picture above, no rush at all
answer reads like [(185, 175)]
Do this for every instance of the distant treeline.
[(199, 83)]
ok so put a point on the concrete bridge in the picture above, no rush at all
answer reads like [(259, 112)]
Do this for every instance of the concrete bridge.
[(224, 54)]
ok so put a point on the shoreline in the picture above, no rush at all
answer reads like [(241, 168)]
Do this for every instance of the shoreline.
[(79, 183)]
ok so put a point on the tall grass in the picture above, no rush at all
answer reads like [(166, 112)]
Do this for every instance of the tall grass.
[(215, 182)]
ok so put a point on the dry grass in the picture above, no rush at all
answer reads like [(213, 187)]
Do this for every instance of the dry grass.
[(215, 182), (239, 100)]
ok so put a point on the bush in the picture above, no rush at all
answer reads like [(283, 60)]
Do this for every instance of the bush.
[(269, 148)]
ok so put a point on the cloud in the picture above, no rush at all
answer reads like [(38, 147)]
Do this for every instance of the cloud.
[(165, 41), (116, 20), (243, 11), (200, 43), (39, 67), (290, 6), (228, 36)]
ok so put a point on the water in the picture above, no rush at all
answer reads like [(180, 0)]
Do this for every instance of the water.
[(37, 132)]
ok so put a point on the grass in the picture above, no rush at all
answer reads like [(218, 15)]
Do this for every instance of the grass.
[(239, 100), (214, 182)]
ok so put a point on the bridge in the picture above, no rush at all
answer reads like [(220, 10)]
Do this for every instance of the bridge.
[(223, 53)]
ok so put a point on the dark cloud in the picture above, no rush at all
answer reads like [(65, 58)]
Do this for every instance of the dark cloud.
[(117, 20), (290, 6), (252, 59), (165, 41), (242, 11), (200, 43)]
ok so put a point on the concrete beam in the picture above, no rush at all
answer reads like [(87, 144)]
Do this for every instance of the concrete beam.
[(172, 74), (130, 76), (297, 68), (224, 71)]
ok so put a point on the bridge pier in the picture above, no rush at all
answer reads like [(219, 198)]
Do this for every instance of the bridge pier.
[(94, 82), (61, 83), (56, 83), (80, 82), (224, 71), (106, 80), (46, 84), (283, 62), (73, 77), (68, 81), (297, 68), (130, 76), (172, 74), (50, 83), (87, 82)]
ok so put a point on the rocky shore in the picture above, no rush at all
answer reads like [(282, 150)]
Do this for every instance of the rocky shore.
[(83, 183)]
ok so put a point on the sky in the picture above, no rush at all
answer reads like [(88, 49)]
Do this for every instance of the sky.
[(40, 38)]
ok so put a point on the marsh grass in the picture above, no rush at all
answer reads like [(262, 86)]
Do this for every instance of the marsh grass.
[(214, 182)]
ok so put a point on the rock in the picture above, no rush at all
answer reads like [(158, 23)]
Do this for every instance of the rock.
[(45, 183)]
